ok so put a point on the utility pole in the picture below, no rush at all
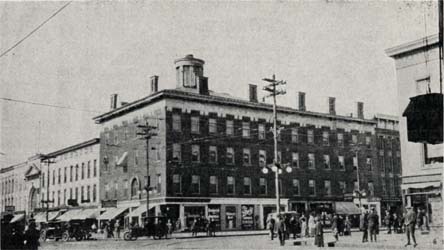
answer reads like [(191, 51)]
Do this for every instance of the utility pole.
[(146, 134), (273, 93), (48, 160)]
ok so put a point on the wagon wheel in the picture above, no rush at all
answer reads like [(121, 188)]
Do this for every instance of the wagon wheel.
[(65, 236)]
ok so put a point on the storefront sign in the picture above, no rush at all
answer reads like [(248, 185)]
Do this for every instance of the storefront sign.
[(214, 214), (247, 216), (230, 217), (10, 209)]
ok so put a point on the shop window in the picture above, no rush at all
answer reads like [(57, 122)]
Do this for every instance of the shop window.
[(294, 135), (230, 185), (195, 150), (246, 157), (263, 186), (177, 183), (247, 185), (262, 158), (212, 126), (261, 132), (195, 125), (230, 217), (311, 161), (229, 127), (213, 185), (230, 156), (177, 152), (310, 136), (195, 184), (327, 188), (177, 124), (312, 187), (296, 187), (245, 129), (213, 154)]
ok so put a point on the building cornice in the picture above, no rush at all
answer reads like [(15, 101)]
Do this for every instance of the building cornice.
[(74, 147), (429, 41)]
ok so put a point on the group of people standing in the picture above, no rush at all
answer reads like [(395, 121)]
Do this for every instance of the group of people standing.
[(369, 224), (15, 236)]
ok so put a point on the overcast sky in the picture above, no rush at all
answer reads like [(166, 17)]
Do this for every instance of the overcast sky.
[(91, 50)]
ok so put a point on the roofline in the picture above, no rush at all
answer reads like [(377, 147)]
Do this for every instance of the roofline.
[(387, 117), (398, 50), (73, 147), (174, 93)]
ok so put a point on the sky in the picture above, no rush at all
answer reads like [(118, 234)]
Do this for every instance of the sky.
[(91, 50)]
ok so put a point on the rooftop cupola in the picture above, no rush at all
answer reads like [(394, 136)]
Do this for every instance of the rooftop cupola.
[(189, 74)]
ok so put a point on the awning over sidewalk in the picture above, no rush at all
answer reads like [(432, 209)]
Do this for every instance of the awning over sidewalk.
[(17, 218), (112, 213), (139, 211), (344, 207), (80, 214), (41, 217), (421, 184)]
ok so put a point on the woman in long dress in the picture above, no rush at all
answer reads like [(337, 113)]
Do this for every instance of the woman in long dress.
[(319, 234)]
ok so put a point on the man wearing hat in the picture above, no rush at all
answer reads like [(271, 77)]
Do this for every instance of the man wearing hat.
[(410, 222)]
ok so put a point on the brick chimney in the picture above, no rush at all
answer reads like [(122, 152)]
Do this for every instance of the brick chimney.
[(332, 106), (252, 91), (360, 110), (154, 84), (113, 101), (301, 101)]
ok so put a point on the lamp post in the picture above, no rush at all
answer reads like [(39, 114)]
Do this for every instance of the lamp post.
[(277, 169)]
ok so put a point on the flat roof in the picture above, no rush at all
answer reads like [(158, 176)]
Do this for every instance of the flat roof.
[(73, 147), (398, 50)]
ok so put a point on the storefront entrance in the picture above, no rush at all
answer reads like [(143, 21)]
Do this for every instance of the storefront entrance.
[(193, 212)]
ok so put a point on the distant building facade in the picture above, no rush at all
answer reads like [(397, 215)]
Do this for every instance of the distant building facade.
[(417, 70), (209, 149)]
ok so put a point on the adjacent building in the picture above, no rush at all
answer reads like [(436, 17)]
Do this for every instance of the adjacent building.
[(206, 155), (417, 71)]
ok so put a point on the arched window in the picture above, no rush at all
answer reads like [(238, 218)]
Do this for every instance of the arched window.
[(33, 199), (135, 187)]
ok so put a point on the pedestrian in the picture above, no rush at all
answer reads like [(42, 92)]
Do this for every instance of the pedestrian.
[(373, 224), (388, 221), (410, 222), (94, 227), (32, 236), (270, 225), (347, 225), (170, 227), (311, 225), (334, 227), (194, 228), (303, 227), (117, 229), (341, 225), (396, 223), (281, 227), (319, 233), (17, 237), (178, 225), (363, 225)]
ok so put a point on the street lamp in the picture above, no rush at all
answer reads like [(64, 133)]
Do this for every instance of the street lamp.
[(277, 169), (360, 194)]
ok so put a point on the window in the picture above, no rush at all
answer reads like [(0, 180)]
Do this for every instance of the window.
[(230, 185), (326, 162), (95, 168), (355, 162), (83, 170), (384, 187), (311, 161), (213, 185), (261, 131), (177, 184), (106, 193), (88, 191), (367, 140), (195, 184), (310, 136), (64, 174), (212, 126), (245, 129), (340, 139), (371, 188), (82, 198), (53, 177), (262, 158), (230, 127), (294, 135), (312, 187), (325, 138), (159, 183), (368, 162), (262, 186), (125, 188), (94, 193), (134, 188), (342, 187), (246, 157), (195, 125), (88, 171), (341, 162), (43, 181), (422, 85), (355, 185), (327, 188), (195, 151), (58, 198), (354, 139), (295, 160), (70, 193), (296, 187), (116, 137), (247, 185), (177, 125), (213, 154), (177, 152), (230, 156)]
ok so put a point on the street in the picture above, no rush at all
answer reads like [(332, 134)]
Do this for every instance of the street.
[(385, 241)]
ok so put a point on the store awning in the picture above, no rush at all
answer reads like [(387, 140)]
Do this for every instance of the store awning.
[(139, 211), (17, 218), (80, 214), (421, 185), (112, 213), (343, 207), (122, 160), (41, 217)]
